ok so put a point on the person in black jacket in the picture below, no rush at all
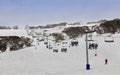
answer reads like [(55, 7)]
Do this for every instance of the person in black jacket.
[(106, 61)]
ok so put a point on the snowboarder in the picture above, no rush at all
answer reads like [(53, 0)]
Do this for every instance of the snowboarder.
[(106, 61)]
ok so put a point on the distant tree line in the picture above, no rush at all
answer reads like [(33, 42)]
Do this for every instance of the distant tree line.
[(49, 25), (4, 27), (7, 27)]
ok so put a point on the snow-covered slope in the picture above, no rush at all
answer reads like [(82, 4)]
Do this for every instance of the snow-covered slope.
[(11, 32), (84, 24), (40, 60)]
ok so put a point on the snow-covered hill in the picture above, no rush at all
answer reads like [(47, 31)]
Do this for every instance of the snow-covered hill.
[(13, 32)]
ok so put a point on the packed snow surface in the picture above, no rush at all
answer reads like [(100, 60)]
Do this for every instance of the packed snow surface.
[(39, 60)]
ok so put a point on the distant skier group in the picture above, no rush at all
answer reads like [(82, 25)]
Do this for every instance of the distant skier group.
[(93, 46)]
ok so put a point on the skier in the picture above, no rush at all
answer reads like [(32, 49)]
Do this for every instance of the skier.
[(106, 61), (95, 54)]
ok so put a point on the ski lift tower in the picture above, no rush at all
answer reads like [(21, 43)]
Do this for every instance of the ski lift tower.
[(87, 56)]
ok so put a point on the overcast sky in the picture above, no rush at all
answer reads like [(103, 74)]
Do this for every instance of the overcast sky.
[(38, 12)]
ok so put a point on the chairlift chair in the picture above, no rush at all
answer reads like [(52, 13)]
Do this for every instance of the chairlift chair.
[(92, 44), (64, 42), (64, 49), (55, 49), (109, 39), (74, 42)]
